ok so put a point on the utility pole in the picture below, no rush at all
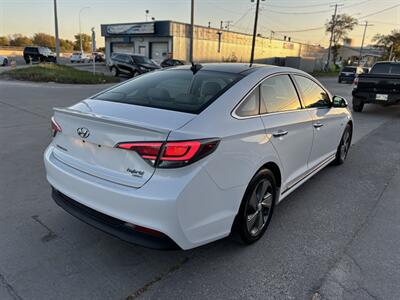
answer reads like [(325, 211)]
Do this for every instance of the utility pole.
[(391, 52), (332, 34), (363, 39), (253, 44), (56, 32), (191, 31)]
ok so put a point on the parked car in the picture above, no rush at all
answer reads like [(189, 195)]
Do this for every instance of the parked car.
[(169, 62), (3, 60), (349, 73), (130, 64), (98, 56), (38, 54), (380, 86), (184, 156), (80, 57)]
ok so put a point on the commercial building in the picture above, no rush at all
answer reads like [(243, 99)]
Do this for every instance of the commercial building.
[(161, 39)]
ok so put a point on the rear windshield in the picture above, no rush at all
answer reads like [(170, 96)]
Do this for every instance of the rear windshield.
[(177, 90), (347, 69), (386, 69), (142, 60)]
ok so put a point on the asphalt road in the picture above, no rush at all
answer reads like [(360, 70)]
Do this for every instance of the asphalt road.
[(311, 243)]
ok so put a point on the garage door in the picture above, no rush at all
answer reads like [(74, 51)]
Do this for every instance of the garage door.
[(123, 48), (159, 51)]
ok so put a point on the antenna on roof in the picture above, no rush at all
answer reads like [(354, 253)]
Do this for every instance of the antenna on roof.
[(195, 67)]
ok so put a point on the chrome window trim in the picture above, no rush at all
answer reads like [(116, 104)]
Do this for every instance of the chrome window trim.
[(257, 85)]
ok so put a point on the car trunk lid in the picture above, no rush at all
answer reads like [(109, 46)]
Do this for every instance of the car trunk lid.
[(91, 129)]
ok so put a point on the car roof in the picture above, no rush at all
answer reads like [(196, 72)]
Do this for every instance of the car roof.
[(129, 54), (237, 68), (387, 62)]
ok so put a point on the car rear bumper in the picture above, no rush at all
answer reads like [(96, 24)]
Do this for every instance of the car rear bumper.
[(183, 204), (368, 97), (111, 225), (346, 78)]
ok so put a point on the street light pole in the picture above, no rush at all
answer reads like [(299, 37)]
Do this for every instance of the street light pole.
[(191, 31), (56, 32), (363, 39), (80, 29), (253, 44)]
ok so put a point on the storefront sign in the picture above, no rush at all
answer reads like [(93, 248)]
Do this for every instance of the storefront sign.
[(140, 28)]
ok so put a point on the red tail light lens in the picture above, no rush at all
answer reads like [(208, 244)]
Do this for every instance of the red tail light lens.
[(180, 150), (172, 154), (145, 150), (55, 127)]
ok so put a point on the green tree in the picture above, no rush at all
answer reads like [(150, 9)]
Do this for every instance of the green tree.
[(19, 40), (4, 41), (44, 40), (390, 42), (342, 25), (86, 40), (66, 45)]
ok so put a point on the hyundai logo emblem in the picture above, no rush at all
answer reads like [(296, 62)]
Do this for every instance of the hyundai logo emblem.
[(83, 132)]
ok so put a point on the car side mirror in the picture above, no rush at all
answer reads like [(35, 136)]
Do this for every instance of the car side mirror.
[(339, 101)]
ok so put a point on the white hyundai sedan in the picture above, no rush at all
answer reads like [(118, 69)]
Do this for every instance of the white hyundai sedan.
[(184, 156)]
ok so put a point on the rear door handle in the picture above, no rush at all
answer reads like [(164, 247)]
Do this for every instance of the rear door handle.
[(280, 133), (318, 125)]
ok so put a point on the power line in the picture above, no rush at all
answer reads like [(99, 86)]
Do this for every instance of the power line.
[(298, 13), (300, 30), (380, 11), (308, 12)]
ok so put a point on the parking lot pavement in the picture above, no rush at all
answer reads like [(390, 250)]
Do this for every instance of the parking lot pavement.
[(342, 213)]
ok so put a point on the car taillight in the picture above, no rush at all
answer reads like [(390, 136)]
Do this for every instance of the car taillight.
[(55, 127), (173, 154), (355, 82), (148, 151)]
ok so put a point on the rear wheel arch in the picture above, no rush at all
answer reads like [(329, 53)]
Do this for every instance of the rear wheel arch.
[(274, 168)]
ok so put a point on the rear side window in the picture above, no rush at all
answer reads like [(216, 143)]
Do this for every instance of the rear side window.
[(278, 94), (312, 94), (347, 69), (386, 69), (178, 90), (31, 49), (250, 106)]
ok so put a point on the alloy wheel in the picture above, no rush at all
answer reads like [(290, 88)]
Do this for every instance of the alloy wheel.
[(259, 208), (344, 149)]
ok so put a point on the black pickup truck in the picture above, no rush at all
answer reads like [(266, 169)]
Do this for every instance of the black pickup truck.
[(380, 86)]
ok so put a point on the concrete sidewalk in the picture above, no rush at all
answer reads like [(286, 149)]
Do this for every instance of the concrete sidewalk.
[(370, 265)]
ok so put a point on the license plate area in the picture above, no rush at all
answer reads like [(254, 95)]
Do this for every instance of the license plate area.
[(381, 97)]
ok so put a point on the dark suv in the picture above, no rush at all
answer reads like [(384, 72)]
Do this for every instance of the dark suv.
[(130, 64), (169, 62), (40, 54)]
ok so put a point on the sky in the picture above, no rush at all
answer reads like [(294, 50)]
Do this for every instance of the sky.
[(302, 20)]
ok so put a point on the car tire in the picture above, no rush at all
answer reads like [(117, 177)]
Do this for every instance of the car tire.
[(339, 81), (5, 62), (344, 146), (257, 207), (114, 71), (358, 104)]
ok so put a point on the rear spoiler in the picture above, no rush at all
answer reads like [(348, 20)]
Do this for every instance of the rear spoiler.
[(110, 120)]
